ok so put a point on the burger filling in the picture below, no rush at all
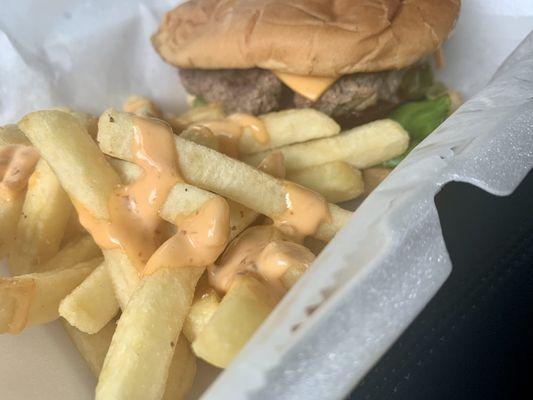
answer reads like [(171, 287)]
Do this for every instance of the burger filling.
[(351, 98)]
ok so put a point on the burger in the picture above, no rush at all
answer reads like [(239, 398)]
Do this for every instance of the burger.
[(354, 60)]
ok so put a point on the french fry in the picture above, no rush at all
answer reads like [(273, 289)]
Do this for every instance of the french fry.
[(185, 199), (10, 211), (204, 305), (208, 112), (201, 135), (41, 227), (244, 307), (291, 276), (75, 158), (92, 348), (181, 372), (76, 251), (337, 181), (85, 174), (11, 134), (288, 127), (73, 228), (373, 177), (213, 171), (363, 147), (137, 363), (127, 171), (32, 299), (142, 106), (91, 305)]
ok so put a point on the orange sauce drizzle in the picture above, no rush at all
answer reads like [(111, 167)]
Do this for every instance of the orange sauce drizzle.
[(260, 250), (134, 223), (230, 130), (200, 239)]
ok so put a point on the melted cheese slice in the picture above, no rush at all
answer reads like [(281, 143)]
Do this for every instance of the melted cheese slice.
[(311, 87)]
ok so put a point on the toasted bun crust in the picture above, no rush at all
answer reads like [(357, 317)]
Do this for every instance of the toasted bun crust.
[(308, 37)]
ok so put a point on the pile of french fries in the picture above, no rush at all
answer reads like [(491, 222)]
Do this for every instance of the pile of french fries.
[(141, 334)]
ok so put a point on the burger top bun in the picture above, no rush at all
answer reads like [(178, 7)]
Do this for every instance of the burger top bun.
[(307, 37)]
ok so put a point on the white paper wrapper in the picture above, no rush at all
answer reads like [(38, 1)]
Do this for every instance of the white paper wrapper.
[(376, 275)]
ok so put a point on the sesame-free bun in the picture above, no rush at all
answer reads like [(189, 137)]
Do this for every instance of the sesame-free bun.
[(307, 37)]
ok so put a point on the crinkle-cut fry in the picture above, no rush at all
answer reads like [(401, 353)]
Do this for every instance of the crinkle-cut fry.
[(92, 348), (91, 305), (362, 147), (82, 248), (41, 227), (11, 134), (10, 212), (137, 363), (32, 299), (244, 307), (213, 171), (288, 127), (337, 181)]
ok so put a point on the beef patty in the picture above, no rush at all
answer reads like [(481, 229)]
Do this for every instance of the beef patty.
[(257, 91)]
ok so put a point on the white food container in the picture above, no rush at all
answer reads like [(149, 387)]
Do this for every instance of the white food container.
[(370, 281)]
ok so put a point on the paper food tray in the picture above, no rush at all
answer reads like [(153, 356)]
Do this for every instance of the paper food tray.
[(370, 281)]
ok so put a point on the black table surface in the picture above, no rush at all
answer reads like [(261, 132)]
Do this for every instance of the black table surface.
[(474, 340)]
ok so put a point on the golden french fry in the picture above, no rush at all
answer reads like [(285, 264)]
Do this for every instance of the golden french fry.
[(76, 251), (184, 199), (211, 111), (201, 135), (86, 175), (204, 305), (75, 158), (11, 134), (137, 364), (291, 276), (241, 311), (10, 212), (181, 372), (73, 228), (337, 181), (210, 170), (91, 305), (41, 227), (127, 171), (142, 106), (92, 348), (34, 298), (90, 122), (362, 147), (288, 127), (373, 177)]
